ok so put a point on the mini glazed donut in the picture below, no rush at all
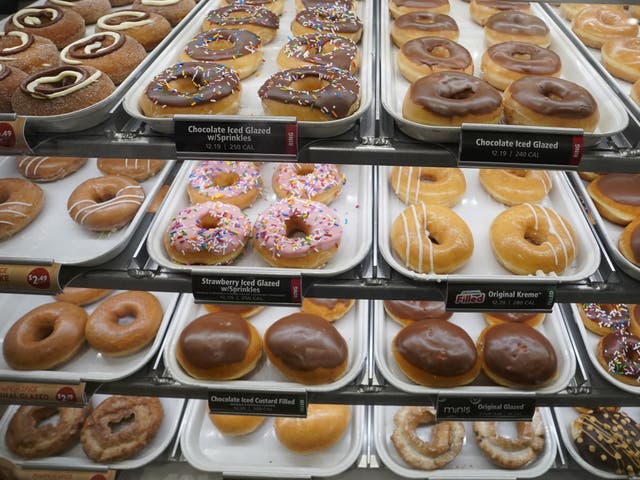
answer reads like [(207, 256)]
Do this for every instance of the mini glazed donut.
[(331, 309), (617, 196), (276, 6), (89, 10), (149, 29), (60, 26), (438, 354), (429, 185), (172, 10), (245, 311), (81, 296), (219, 346), (513, 187), (105, 204), (619, 354), (426, 55), (431, 239), (236, 183), (327, 20), (528, 239), (321, 49), (192, 88), (350, 5), (514, 25), (236, 425), (604, 318), (306, 349), (481, 10), (258, 20), (402, 7), (531, 319), (629, 243), (210, 233), (312, 93), (20, 203), (406, 312), (550, 102), (516, 355), (320, 182), (137, 168), (297, 233), (27, 52), (621, 57), (423, 24), (48, 169), (10, 80), (570, 10), (595, 25), (451, 99), (322, 428), (45, 337)]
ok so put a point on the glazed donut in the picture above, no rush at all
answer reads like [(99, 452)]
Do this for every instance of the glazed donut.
[(276, 6), (331, 309), (619, 354), (236, 183), (402, 7), (423, 24), (327, 20), (137, 168), (320, 182), (516, 355), (604, 318), (210, 233), (219, 346), (316, 94), (425, 55), (29, 437), (321, 49), (61, 90), (531, 319), (481, 10), (431, 239), (236, 425), (306, 349), (81, 296), (102, 440), (451, 99), (446, 441), (629, 243), (149, 29), (430, 185), (617, 196), (635, 92), (192, 88), (528, 239), (45, 337), (437, 354), (297, 233), (20, 203), (105, 204), (48, 169), (595, 25), (172, 10), (27, 52), (323, 427), (621, 57), (550, 102), (89, 10), (514, 25), (245, 311), (60, 26), (570, 10), (513, 187), (406, 312), (258, 20), (10, 80)]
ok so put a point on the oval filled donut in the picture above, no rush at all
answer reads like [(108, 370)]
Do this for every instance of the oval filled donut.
[(60, 26), (27, 52), (147, 28), (245, 311), (617, 196), (89, 10), (331, 309), (20, 203), (236, 425), (406, 312)]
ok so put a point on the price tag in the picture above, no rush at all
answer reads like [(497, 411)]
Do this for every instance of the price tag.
[(30, 278), (12, 139), (42, 393), (485, 408), (500, 297), (25, 473), (258, 290), (271, 404)]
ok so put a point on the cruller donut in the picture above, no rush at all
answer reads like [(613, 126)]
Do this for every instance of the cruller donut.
[(60, 26), (321, 49), (27, 52), (148, 28), (258, 20), (89, 10), (426, 55), (172, 10), (20, 203), (423, 24), (430, 185)]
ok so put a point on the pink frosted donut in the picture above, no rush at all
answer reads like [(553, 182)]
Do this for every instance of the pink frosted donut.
[(237, 183), (297, 233), (208, 233), (321, 182)]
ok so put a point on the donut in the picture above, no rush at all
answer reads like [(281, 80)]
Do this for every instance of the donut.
[(105, 204), (28, 436), (20, 203), (406, 312), (629, 243), (570, 10), (331, 309), (235, 183), (481, 10), (245, 311), (276, 6), (635, 92), (61, 90), (451, 99), (258, 20), (140, 419), (27, 52), (550, 102), (137, 168), (402, 7), (81, 296), (48, 169), (429, 185), (604, 318), (89, 10), (45, 337), (10, 80), (514, 25), (621, 57), (306, 349), (60, 26), (531, 319), (172, 10), (297, 233), (113, 53), (320, 182), (192, 88), (589, 176), (219, 346), (149, 29), (426, 55), (617, 196), (635, 319), (431, 239), (236, 425), (513, 187), (438, 354), (423, 24), (595, 25), (319, 49), (322, 428), (210, 233), (343, 23), (619, 354), (350, 5)]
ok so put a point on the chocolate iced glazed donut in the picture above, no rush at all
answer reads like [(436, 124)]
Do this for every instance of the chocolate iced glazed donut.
[(425, 55), (531, 319), (147, 28), (617, 196), (406, 312), (619, 355), (327, 20), (629, 243), (60, 26), (516, 26), (172, 10), (402, 7), (89, 10), (423, 24), (258, 20), (10, 79), (481, 10), (27, 52), (276, 6), (323, 50)]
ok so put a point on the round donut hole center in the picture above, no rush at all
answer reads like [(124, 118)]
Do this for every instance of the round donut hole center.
[(186, 85), (225, 179), (296, 227), (239, 15), (106, 194), (43, 332), (522, 56), (424, 432), (458, 94), (120, 425), (611, 18), (304, 169), (440, 52), (533, 237), (219, 44), (432, 238), (507, 429), (326, 48), (309, 84), (208, 222), (46, 416), (428, 178)]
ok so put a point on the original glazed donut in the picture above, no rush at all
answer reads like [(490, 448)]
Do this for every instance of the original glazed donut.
[(430, 185), (320, 182), (595, 25), (629, 243), (531, 319), (258, 20), (236, 425), (297, 233), (48, 169), (236, 183), (149, 29), (137, 168), (513, 187), (604, 318), (331, 309), (570, 10), (276, 6), (323, 427), (425, 55), (320, 49), (327, 20), (621, 57), (60, 26), (514, 25), (245, 311), (45, 337), (423, 24), (10, 80), (528, 239), (89, 10), (481, 10), (402, 7), (172, 10), (81, 296), (406, 312), (619, 354), (20, 203), (27, 52), (617, 196), (350, 5), (451, 99)]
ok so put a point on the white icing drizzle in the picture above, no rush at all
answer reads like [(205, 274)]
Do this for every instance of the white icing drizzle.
[(7, 222), (554, 232), (406, 196), (535, 215), (34, 162), (419, 235), (124, 25), (407, 238), (428, 235), (30, 21), (95, 47), (85, 212), (159, 3), (135, 163), (24, 204), (66, 73), (24, 39), (546, 180), (64, 3), (12, 212)]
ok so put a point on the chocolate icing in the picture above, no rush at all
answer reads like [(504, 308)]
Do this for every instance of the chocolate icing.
[(255, 16), (503, 5), (78, 49), (426, 21), (621, 352), (620, 187), (417, 310), (44, 16), (329, 20), (309, 49), (306, 342), (4, 71), (420, 50), (541, 61), (330, 302), (635, 247), (515, 22), (636, 311), (46, 89), (243, 43), (420, 3), (342, 4), (115, 21), (12, 50), (514, 317)]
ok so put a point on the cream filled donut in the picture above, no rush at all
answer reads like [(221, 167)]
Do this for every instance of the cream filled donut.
[(60, 26), (236, 183), (321, 182), (27, 52), (146, 27)]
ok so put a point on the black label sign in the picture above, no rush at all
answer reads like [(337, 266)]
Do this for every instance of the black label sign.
[(273, 404), (485, 408), (500, 297), (259, 290)]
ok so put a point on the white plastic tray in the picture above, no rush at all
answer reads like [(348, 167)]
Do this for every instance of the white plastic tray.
[(54, 236), (266, 377), (75, 458), (470, 462), (553, 328), (613, 117), (260, 454), (478, 210), (87, 364), (353, 207), (250, 103)]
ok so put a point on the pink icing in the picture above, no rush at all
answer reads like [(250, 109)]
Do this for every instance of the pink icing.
[(324, 228), (201, 179), (324, 177)]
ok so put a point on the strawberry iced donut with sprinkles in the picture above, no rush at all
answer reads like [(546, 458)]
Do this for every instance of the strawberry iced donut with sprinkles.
[(312, 181), (237, 183)]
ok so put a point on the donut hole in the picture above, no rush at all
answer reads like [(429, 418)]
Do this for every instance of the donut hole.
[(225, 179), (534, 237), (208, 221), (220, 44), (453, 92), (185, 85), (123, 423), (428, 177), (424, 432), (42, 332), (238, 15), (296, 227), (521, 56), (440, 52), (432, 237), (126, 319), (304, 168), (507, 429), (309, 84)]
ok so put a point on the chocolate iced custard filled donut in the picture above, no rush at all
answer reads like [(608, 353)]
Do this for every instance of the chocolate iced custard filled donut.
[(423, 24), (10, 79), (426, 55), (27, 52), (89, 10), (147, 28), (258, 20), (516, 26), (402, 7), (60, 26), (617, 196), (629, 243), (406, 312)]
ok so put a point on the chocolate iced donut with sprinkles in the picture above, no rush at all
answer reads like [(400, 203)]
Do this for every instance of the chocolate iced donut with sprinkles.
[(276, 6), (602, 318), (327, 20), (27, 52), (236, 183), (321, 182), (60, 26), (146, 27), (349, 5), (619, 354), (324, 50), (258, 20)]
